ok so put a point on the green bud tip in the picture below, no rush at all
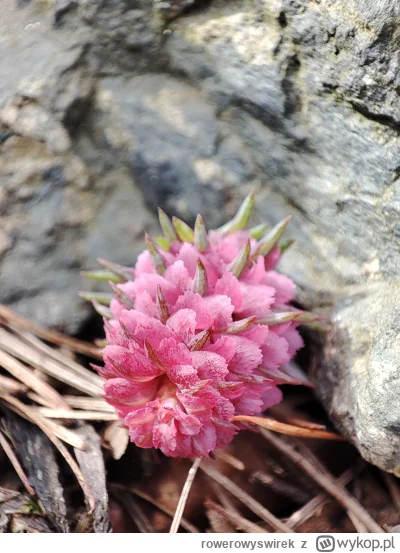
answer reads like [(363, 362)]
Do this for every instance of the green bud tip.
[(152, 355), (283, 246), (102, 310), (104, 299), (317, 322), (185, 233), (126, 331), (258, 231), (200, 234), (242, 260), (272, 237), (155, 255), (166, 225), (103, 276), (125, 273), (242, 217), (163, 242), (200, 282), (240, 326), (277, 318)]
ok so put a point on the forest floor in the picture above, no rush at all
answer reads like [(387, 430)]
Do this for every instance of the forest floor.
[(66, 464)]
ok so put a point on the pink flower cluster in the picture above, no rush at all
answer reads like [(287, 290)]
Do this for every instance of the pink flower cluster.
[(203, 333)]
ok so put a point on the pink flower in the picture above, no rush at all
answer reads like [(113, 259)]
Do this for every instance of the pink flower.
[(204, 332)]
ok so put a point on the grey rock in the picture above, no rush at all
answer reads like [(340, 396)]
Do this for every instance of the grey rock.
[(357, 368), (62, 7), (162, 129), (169, 9), (61, 204), (112, 108)]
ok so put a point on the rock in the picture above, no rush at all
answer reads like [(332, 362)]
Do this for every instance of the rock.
[(108, 109), (30, 119), (163, 130), (59, 211), (358, 375), (169, 9), (63, 7)]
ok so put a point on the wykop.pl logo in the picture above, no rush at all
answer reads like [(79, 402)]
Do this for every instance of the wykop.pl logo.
[(325, 544)]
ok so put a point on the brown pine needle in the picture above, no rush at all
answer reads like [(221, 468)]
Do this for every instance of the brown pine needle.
[(16, 464), (62, 357), (359, 526), (27, 377), (14, 320), (89, 403), (237, 520), (229, 459), (12, 386), (184, 496), (291, 415), (184, 523), (280, 486), (289, 429), (311, 466), (132, 508), (309, 509), (76, 415), (393, 488), (39, 399), (240, 494), (81, 379), (31, 415), (225, 498)]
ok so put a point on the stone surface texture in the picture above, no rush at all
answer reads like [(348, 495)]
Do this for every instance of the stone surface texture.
[(111, 108)]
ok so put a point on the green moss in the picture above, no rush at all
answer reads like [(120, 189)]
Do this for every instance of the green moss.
[(33, 507)]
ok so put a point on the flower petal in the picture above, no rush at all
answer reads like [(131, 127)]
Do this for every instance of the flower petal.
[(183, 324), (257, 299), (275, 351), (285, 288), (130, 364), (225, 346), (190, 300), (228, 285), (209, 365), (247, 357)]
